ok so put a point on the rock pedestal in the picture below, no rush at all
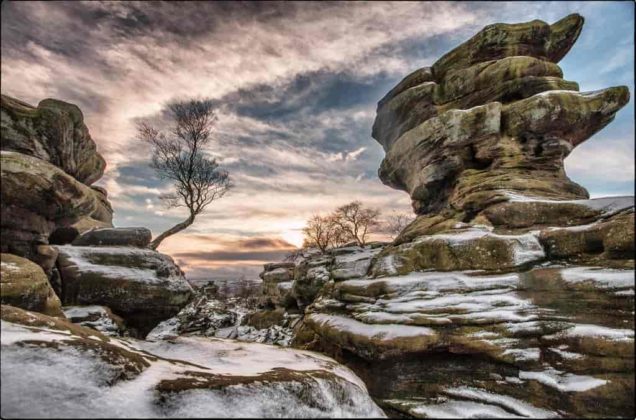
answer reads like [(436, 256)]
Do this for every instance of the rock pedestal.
[(491, 118)]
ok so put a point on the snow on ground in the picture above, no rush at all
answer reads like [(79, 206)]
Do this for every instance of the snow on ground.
[(524, 355), (436, 281), (453, 409), (601, 277), (564, 382), (380, 332), (516, 406), (81, 256), (92, 316), (567, 355), (606, 205), (595, 331), (526, 248), (9, 266), (64, 381)]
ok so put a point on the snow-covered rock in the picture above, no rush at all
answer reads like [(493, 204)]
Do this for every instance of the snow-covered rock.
[(97, 317), (142, 286), (552, 341), (52, 368)]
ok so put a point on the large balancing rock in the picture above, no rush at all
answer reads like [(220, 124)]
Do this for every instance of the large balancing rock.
[(492, 116), (142, 286), (54, 132)]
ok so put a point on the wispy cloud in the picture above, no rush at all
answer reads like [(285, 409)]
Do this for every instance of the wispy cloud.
[(296, 84)]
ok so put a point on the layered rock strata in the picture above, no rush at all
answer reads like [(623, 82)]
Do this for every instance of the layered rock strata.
[(491, 117), (512, 292), (48, 163)]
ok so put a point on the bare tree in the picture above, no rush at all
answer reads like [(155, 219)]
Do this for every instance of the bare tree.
[(396, 223), (356, 221), (180, 157), (318, 232)]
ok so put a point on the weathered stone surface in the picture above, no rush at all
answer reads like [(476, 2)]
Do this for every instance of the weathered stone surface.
[(67, 234), (38, 198), (54, 132), (129, 236), (465, 159), (403, 112), (142, 286), (536, 213), (24, 284), (612, 239), (551, 341), (505, 81), (566, 116), (354, 263), (416, 78), (493, 116), (278, 275), (99, 318), (426, 160), (533, 39), (493, 75), (279, 294), (66, 371), (460, 249), (512, 292)]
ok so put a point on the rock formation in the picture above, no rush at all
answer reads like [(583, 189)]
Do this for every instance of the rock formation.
[(24, 284), (54, 368), (491, 118), (54, 132), (48, 161), (78, 360), (512, 292), (142, 286)]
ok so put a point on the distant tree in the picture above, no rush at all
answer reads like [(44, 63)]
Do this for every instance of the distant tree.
[(396, 222), (319, 232), (179, 156), (351, 222), (355, 221)]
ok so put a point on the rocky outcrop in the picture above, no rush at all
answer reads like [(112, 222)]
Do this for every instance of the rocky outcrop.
[(185, 377), (491, 117), (553, 341), (24, 284), (131, 236), (54, 132), (37, 199), (48, 163), (512, 293), (295, 284), (142, 286), (277, 281)]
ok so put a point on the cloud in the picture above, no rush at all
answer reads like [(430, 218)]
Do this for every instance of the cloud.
[(296, 85), (227, 256), (600, 161)]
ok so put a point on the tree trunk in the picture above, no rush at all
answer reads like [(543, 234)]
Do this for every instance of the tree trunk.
[(176, 228)]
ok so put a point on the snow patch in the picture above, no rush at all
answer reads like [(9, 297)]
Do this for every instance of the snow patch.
[(564, 382)]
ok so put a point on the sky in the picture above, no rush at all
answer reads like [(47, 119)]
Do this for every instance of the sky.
[(296, 85)]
